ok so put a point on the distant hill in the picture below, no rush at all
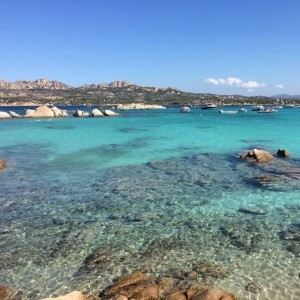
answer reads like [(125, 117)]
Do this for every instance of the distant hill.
[(286, 96), (116, 92), (31, 85)]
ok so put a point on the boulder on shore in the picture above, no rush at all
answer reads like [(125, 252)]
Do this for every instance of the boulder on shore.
[(59, 112), (14, 115), (97, 113), (5, 115), (45, 112), (260, 156), (81, 114), (110, 113)]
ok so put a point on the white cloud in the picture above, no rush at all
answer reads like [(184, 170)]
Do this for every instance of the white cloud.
[(236, 82), (279, 86), (212, 80)]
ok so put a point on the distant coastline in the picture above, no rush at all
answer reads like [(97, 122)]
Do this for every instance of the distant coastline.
[(44, 92)]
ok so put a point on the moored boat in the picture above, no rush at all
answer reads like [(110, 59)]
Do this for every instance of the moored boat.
[(268, 110), (228, 112), (257, 108), (209, 106), (185, 109)]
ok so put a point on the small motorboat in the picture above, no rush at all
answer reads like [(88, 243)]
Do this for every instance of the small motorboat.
[(185, 109), (268, 110), (257, 108), (228, 112), (209, 106), (241, 110)]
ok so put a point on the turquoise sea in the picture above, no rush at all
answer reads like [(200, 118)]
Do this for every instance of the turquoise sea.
[(85, 201)]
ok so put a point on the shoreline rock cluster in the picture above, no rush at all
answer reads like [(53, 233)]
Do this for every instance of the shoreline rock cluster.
[(54, 112), (96, 113), (47, 111), (140, 286)]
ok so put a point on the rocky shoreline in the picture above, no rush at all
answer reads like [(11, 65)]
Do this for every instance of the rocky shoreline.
[(54, 112), (140, 286), (49, 111)]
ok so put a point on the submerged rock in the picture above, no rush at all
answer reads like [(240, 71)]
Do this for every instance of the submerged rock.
[(253, 288), (292, 237), (246, 234), (211, 270), (260, 156), (252, 211)]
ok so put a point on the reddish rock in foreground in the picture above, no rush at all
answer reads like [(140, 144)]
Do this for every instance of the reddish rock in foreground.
[(2, 166), (139, 286), (7, 293)]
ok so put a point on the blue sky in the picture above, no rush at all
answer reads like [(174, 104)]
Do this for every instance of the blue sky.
[(221, 46)]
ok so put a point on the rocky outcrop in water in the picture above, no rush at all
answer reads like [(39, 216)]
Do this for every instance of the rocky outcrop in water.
[(45, 112), (110, 113), (283, 153), (14, 114), (97, 113), (4, 115), (81, 114), (260, 156)]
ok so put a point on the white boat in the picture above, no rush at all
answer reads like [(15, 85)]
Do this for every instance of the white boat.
[(185, 109), (228, 112), (289, 105), (209, 106), (232, 112), (268, 110), (257, 108)]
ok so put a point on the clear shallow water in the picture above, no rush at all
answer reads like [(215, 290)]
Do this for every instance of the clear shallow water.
[(154, 191)]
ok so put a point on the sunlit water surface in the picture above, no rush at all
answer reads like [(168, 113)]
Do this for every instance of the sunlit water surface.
[(155, 191)]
